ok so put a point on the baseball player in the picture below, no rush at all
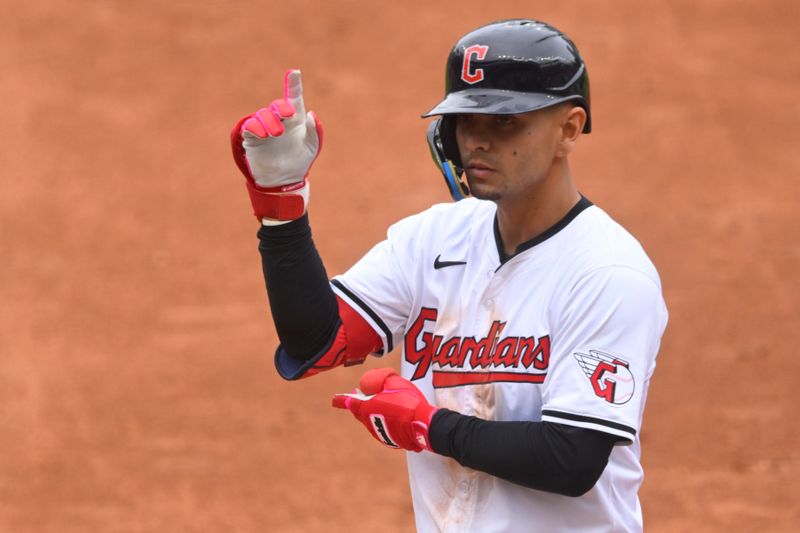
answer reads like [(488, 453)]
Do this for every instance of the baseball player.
[(529, 321)]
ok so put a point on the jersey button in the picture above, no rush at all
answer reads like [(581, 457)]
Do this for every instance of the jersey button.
[(488, 303), (464, 486)]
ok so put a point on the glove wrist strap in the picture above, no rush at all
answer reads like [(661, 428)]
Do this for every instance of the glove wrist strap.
[(283, 203)]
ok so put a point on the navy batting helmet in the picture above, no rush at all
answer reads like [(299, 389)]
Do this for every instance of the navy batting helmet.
[(504, 68)]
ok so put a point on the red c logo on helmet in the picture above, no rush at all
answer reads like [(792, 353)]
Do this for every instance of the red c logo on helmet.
[(468, 74)]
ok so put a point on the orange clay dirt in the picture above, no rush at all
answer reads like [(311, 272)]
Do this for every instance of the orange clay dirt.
[(137, 391)]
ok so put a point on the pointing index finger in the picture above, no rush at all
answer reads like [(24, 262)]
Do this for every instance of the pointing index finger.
[(293, 91)]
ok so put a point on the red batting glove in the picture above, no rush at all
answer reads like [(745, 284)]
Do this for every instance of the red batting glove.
[(393, 410), (275, 148)]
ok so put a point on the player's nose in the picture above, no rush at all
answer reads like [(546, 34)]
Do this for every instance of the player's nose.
[(472, 133)]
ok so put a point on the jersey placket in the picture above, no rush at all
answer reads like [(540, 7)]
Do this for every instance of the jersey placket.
[(479, 400)]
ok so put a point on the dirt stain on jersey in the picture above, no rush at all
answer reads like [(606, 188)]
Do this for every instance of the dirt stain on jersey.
[(485, 401), (454, 511), (450, 398)]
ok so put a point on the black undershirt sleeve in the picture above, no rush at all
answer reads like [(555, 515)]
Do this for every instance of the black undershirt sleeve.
[(539, 455), (302, 302)]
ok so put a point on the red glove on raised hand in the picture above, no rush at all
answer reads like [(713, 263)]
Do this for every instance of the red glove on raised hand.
[(393, 410), (275, 148)]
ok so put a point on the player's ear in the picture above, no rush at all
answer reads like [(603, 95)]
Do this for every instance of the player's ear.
[(573, 118)]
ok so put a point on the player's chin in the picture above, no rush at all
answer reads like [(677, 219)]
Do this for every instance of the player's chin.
[(482, 190)]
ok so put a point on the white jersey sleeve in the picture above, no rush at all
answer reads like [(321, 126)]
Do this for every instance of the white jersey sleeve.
[(377, 286), (608, 331)]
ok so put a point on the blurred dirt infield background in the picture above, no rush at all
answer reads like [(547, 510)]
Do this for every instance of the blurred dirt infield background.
[(137, 392)]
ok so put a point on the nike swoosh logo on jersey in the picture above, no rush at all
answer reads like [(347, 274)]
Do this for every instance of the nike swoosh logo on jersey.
[(437, 264)]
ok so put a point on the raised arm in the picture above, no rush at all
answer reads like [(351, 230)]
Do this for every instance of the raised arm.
[(274, 148)]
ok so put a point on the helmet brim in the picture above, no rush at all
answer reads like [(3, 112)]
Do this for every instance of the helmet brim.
[(494, 102)]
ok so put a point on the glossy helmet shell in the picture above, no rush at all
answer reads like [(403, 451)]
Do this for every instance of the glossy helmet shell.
[(513, 66)]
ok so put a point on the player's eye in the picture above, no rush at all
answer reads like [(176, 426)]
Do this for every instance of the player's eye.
[(504, 120), (465, 119)]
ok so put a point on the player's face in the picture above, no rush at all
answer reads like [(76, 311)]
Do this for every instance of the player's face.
[(506, 156)]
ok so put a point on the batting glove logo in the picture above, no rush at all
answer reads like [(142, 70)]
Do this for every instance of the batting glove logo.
[(610, 376), (381, 431)]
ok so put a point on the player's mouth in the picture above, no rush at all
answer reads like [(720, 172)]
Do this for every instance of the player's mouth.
[(479, 169)]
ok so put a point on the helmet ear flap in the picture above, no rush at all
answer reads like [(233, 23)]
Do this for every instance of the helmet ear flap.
[(444, 151), (448, 135)]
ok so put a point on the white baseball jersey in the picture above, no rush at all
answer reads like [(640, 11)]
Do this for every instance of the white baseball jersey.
[(565, 331)]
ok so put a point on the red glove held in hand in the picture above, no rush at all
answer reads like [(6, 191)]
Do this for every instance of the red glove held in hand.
[(393, 410)]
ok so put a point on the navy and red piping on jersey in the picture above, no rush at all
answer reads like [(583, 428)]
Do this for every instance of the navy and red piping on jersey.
[(589, 422), (369, 311)]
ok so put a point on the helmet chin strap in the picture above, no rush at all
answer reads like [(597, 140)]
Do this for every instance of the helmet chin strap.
[(452, 171)]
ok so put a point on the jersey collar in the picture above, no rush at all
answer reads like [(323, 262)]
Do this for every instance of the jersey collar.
[(582, 204)]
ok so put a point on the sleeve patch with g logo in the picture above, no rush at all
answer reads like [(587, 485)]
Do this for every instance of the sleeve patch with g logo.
[(610, 376)]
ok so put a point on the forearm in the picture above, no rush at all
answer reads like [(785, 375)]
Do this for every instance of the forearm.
[(539, 455), (303, 305)]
